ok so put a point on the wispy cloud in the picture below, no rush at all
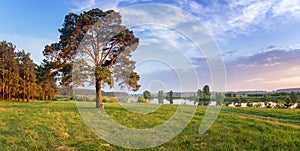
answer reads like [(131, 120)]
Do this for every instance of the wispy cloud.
[(221, 18), (267, 58), (266, 70), (83, 5), (286, 7), (235, 17)]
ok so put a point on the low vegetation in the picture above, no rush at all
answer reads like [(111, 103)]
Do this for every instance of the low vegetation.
[(92, 98), (141, 99), (55, 125)]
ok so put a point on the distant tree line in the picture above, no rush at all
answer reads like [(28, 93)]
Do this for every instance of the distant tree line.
[(21, 78), (203, 96), (293, 96)]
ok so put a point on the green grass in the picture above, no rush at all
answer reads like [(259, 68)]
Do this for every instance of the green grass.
[(53, 125)]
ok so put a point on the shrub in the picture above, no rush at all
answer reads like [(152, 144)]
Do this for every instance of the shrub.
[(227, 103), (206, 103), (141, 99), (298, 105), (280, 104), (109, 100), (249, 103), (258, 105)]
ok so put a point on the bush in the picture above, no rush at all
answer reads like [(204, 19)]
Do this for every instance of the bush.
[(109, 100), (249, 103), (258, 105), (206, 103), (227, 103), (88, 98), (280, 104), (141, 99)]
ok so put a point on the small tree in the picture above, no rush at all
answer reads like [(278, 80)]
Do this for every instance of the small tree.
[(206, 95), (206, 91), (294, 97), (147, 94), (219, 98), (288, 102), (199, 93), (238, 102), (170, 97), (160, 97)]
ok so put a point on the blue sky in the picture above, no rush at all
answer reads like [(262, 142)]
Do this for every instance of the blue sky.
[(259, 40)]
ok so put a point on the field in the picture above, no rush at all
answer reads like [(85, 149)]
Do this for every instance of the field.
[(58, 125)]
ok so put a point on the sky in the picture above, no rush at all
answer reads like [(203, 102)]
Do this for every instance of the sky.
[(258, 41)]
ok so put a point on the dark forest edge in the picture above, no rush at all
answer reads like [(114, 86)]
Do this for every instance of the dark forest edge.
[(21, 79)]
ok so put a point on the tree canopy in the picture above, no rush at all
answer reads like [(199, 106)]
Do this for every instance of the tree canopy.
[(147, 94), (206, 91)]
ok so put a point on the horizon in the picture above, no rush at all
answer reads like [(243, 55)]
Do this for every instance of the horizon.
[(228, 91)]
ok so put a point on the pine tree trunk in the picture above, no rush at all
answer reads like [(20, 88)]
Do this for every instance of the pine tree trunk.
[(98, 94), (3, 87), (9, 93), (24, 90), (2, 93), (23, 93), (28, 92)]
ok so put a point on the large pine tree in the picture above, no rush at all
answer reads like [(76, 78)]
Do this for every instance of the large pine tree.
[(106, 43)]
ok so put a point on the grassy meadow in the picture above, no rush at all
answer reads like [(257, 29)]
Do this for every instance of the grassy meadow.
[(57, 125)]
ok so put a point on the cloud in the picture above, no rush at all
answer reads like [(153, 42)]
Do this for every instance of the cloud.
[(229, 53), (266, 70), (270, 47), (262, 71), (172, 26), (269, 57), (253, 80), (221, 18), (252, 14), (234, 17), (287, 7), (84, 5)]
